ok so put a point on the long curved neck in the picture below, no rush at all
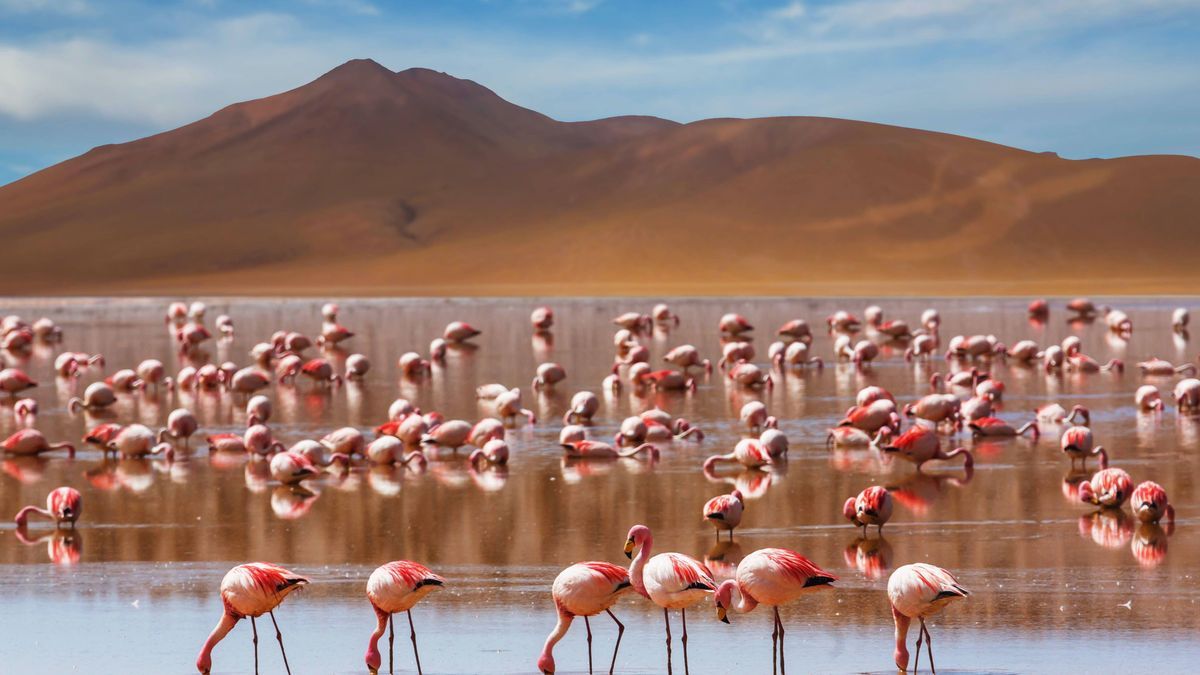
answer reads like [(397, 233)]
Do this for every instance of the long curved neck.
[(638, 564), (23, 514), (373, 657), (63, 446), (901, 653), (742, 602), (226, 624), (635, 451), (560, 629)]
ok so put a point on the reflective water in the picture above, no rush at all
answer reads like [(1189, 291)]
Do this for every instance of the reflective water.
[(134, 589)]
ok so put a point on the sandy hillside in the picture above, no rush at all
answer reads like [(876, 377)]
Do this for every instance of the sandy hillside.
[(367, 181)]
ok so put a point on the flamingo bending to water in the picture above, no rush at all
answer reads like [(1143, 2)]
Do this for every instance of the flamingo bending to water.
[(772, 577), (250, 590), (391, 589), (63, 505), (917, 591), (585, 589)]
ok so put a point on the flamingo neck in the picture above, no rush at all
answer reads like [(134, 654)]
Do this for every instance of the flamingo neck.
[(226, 624), (373, 658), (901, 654), (23, 515), (639, 564), (546, 659), (742, 602)]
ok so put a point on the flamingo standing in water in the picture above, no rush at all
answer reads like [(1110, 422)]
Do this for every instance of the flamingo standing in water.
[(1077, 443), (1150, 503), (32, 442), (393, 588), (772, 577), (918, 591), (250, 590), (725, 512), (63, 505), (585, 589), (670, 580), (872, 506), (921, 444)]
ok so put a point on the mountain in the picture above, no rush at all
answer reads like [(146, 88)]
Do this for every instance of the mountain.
[(367, 181)]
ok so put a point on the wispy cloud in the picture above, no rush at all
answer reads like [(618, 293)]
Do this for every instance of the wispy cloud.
[(360, 7), (66, 7)]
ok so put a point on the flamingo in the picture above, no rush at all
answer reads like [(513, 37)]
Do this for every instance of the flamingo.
[(493, 452), (734, 324), (872, 506), (687, 357), (1053, 413), (508, 407), (333, 334), (996, 427), (14, 381), (63, 505), (1147, 397), (1187, 394), (892, 329), (1077, 443), (1179, 320), (1150, 503), (1039, 309), (796, 329), (771, 577), (633, 321), (1157, 366), (225, 325), (250, 590), (289, 468), (25, 411), (32, 442), (724, 512), (458, 332), (451, 434), (918, 591), (669, 580), (258, 410), (584, 406), (393, 588), (597, 450), (662, 314), (754, 415), (661, 380), (749, 452), (357, 366), (137, 440), (1108, 488), (919, 445), (548, 375), (181, 424), (585, 589), (542, 319)]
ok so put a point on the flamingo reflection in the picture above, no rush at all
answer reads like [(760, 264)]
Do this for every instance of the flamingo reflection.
[(63, 547), (871, 557)]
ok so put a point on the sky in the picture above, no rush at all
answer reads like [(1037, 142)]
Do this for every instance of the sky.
[(1084, 78)]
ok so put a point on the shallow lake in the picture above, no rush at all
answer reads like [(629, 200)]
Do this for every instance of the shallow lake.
[(1054, 587)]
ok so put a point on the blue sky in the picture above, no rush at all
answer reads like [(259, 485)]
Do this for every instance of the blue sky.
[(1085, 78)]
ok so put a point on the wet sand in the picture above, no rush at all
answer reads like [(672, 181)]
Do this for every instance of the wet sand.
[(1054, 587)]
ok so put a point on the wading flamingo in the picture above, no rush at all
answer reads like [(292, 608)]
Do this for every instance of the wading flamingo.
[(64, 505), (391, 589), (725, 512), (772, 577), (250, 590), (872, 506), (918, 591), (585, 589), (670, 580)]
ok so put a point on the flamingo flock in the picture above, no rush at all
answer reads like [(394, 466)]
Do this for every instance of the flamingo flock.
[(968, 399)]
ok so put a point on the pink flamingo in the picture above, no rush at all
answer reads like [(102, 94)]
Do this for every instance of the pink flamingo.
[(917, 591), (734, 324), (63, 505), (670, 580), (32, 442), (772, 577), (994, 426), (458, 332), (25, 411), (872, 506), (542, 319), (14, 381), (1077, 443), (181, 424), (919, 445), (1150, 503), (585, 589), (725, 512), (393, 588), (1108, 489), (749, 452), (250, 590), (598, 450)]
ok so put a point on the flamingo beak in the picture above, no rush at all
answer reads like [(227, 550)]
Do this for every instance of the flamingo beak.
[(721, 614), (629, 549)]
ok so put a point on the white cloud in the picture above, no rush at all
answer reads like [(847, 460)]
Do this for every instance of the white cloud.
[(360, 7)]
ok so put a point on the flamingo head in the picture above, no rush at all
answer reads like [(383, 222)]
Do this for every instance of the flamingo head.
[(723, 598), (638, 534), (849, 510), (545, 663)]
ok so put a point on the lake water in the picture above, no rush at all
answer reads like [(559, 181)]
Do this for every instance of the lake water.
[(1054, 589)]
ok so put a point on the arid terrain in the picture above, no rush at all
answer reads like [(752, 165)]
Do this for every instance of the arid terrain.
[(372, 182)]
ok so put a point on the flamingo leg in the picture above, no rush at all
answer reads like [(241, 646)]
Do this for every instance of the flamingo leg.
[(620, 632), (774, 647), (667, 621), (587, 624), (254, 628), (279, 636), (391, 642), (779, 622), (683, 618), (917, 658), (412, 634), (928, 646)]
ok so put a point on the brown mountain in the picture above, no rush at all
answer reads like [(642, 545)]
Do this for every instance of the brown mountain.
[(370, 181)]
